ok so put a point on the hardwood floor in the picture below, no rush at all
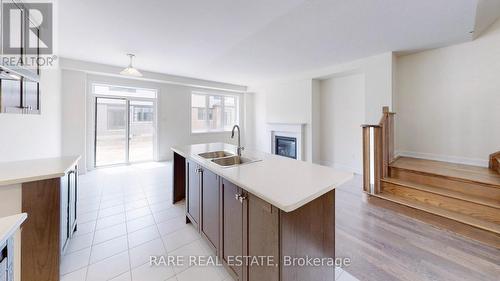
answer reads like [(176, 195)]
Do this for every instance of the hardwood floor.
[(387, 245)]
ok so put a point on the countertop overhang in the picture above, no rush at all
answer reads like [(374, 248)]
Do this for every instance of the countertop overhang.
[(35, 170), (286, 183), (9, 225)]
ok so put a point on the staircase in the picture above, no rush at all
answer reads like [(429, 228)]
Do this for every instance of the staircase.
[(467, 194)]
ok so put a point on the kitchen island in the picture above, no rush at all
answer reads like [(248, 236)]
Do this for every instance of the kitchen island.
[(45, 190), (272, 213)]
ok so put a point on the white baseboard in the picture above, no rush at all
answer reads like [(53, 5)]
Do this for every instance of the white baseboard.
[(342, 167), (445, 158)]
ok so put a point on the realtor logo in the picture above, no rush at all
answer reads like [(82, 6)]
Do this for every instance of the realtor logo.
[(27, 28)]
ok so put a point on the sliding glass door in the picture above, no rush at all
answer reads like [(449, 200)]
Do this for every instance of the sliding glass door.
[(124, 126), (141, 116), (111, 120)]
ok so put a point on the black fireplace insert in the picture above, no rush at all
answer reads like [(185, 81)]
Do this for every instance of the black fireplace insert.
[(285, 146)]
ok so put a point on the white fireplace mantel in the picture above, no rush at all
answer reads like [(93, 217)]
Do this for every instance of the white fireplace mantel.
[(292, 130)]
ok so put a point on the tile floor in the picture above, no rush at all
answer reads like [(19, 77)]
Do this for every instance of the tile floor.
[(125, 215)]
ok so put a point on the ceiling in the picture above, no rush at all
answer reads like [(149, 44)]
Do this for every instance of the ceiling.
[(241, 41)]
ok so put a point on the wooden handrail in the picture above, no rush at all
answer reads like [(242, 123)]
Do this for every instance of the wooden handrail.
[(378, 151)]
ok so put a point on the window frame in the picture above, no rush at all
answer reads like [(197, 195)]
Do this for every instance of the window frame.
[(206, 108), (96, 80)]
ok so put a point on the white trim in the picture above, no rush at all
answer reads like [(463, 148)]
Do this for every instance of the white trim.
[(91, 98), (445, 158), (342, 167), (210, 132), (294, 130)]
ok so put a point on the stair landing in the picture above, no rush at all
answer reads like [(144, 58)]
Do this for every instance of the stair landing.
[(460, 172)]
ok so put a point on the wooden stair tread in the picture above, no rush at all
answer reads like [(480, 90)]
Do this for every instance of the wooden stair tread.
[(445, 192), (450, 170), (489, 226)]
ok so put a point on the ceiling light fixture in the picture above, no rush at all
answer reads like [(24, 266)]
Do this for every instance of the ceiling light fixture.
[(131, 70)]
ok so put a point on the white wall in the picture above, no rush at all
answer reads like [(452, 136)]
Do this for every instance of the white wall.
[(173, 114), (379, 81), (74, 114), (448, 101), (342, 104), (295, 100), (248, 125), (174, 120), (282, 102), (260, 135), (26, 137), (378, 72), (287, 100)]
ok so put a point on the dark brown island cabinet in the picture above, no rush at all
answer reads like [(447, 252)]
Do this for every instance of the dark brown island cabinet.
[(52, 220), (255, 240)]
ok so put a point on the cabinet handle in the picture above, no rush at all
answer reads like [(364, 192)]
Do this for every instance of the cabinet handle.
[(242, 198), (237, 196), (199, 170)]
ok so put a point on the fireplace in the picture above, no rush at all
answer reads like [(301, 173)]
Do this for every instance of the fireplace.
[(290, 135), (285, 146)]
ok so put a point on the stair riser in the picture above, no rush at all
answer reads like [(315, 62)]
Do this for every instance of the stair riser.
[(468, 188), (477, 211)]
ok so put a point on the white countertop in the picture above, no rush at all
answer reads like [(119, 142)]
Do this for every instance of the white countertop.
[(35, 170), (285, 183), (9, 226)]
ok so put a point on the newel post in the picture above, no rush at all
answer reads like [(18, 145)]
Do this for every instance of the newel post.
[(378, 151)]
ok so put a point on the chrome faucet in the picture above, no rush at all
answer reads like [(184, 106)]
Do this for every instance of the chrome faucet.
[(239, 149)]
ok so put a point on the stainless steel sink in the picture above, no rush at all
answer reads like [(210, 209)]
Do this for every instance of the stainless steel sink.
[(215, 154), (233, 161)]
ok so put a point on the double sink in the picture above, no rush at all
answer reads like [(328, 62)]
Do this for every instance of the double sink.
[(226, 159)]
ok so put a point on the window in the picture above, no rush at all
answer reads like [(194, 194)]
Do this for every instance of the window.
[(201, 113), (119, 91), (141, 113), (213, 113)]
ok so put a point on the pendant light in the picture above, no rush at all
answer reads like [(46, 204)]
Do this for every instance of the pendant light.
[(131, 70)]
